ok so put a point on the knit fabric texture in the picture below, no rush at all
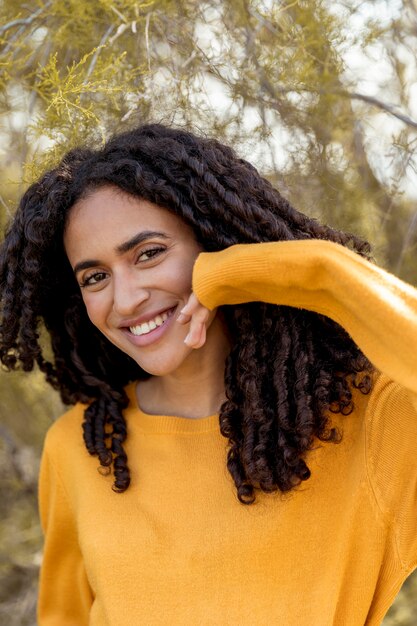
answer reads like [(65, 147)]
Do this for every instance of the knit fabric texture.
[(178, 548)]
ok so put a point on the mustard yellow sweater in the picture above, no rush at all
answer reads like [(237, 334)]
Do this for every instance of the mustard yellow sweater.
[(178, 548)]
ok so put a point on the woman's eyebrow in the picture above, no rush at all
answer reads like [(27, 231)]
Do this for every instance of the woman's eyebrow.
[(122, 248), (85, 265), (136, 239)]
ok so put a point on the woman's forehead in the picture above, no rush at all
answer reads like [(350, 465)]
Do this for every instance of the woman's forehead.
[(109, 216)]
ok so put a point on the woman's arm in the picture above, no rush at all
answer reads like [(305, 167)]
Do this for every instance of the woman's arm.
[(378, 310), (65, 596)]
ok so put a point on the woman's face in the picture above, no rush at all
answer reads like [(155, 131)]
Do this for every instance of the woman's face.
[(133, 261)]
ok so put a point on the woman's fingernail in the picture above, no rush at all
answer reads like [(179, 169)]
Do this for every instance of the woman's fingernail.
[(181, 317), (186, 340)]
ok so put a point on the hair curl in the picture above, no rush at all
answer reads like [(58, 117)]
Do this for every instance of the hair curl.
[(288, 369)]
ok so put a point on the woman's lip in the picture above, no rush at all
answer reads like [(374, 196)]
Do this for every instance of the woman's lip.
[(145, 319), (153, 335)]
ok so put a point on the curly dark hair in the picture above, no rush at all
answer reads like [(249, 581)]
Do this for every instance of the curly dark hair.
[(288, 369)]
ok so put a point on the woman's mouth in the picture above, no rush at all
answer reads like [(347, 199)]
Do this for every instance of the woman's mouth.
[(147, 327), (151, 330)]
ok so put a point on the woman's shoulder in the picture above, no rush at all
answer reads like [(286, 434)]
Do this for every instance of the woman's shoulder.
[(66, 430), (391, 452), (390, 401), (64, 453), (391, 432)]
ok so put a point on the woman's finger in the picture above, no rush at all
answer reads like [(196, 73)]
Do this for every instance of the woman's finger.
[(196, 336), (188, 310), (183, 318), (197, 316)]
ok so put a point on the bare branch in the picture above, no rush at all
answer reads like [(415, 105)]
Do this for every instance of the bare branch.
[(25, 21), (409, 235), (119, 15), (389, 108), (100, 46), (273, 90), (262, 20), (120, 30), (2, 201), (148, 19), (16, 453)]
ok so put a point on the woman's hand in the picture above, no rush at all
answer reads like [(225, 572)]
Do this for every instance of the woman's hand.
[(197, 316)]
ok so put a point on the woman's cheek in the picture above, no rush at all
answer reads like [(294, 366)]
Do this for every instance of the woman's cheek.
[(96, 308)]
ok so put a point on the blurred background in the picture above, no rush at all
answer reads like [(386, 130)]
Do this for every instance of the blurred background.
[(320, 95)]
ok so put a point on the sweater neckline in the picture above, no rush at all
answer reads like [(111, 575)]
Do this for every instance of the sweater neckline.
[(168, 423)]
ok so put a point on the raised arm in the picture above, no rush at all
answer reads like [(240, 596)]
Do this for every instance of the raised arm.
[(378, 310)]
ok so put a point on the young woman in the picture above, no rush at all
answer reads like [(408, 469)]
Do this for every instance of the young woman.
[(216, 344)]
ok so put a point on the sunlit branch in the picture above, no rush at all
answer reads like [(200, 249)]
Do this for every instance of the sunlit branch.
[(25, 21), (97, 52), (389, 108)]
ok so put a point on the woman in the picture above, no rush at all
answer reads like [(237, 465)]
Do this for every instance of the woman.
[(161, 330)]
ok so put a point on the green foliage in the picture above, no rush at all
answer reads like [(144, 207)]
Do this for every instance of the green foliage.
[(272, 78)]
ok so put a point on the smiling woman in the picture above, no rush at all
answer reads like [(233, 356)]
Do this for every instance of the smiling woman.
[(137, 281), (198, 322)]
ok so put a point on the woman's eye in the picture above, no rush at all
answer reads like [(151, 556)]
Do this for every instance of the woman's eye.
[(147, 255), (93, 279)]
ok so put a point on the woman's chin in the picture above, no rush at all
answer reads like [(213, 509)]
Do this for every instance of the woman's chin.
[(165, 366)]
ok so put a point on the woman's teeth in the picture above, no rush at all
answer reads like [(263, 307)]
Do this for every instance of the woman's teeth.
[(146, 327)]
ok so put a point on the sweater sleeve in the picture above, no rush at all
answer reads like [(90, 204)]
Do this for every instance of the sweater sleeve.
[(378, 310), (65, 596)]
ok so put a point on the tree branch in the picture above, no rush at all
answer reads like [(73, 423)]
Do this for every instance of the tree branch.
[(25, 21), (8, 211), (148, 54), (97, 52), (389, 108), (411, 230)]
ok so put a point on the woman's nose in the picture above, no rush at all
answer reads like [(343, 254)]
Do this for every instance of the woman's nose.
[(128, 294)]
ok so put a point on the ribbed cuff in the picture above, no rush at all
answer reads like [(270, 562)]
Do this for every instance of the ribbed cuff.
[(229, 276)]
